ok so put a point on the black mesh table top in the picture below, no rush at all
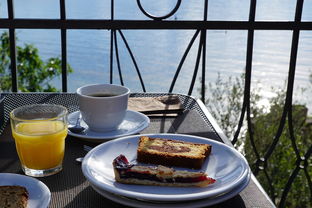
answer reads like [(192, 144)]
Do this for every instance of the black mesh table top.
[(69, 188)]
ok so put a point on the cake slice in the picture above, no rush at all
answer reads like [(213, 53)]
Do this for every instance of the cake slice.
[(157, 176), (172, 152), (13, 197)]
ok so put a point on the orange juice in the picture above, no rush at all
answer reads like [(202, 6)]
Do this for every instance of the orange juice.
[(40, 144)]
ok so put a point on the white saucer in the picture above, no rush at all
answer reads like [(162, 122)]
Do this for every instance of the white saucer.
[(39, 193), (133, 123), (187, 204)]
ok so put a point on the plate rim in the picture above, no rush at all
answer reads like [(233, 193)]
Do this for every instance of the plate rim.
[(162, 197), (42, 187), (106, 138)]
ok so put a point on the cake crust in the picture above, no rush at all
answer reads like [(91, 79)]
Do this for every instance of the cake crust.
[(172, 152)]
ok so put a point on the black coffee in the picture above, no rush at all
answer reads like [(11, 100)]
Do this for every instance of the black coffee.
[(102, 95)]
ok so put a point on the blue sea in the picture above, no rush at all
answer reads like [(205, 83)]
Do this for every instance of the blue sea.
[(158, 52)]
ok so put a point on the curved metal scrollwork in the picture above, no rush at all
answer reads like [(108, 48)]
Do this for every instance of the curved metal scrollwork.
[(114, 44), (159, 17)]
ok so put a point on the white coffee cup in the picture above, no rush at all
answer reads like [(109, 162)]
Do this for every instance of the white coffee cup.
[(103, 106)]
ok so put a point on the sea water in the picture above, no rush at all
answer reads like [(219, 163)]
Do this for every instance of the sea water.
[(158, 52)]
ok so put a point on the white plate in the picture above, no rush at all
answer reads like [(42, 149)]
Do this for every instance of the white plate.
[(225, 164), (39, 193), (133, 123), (187, 204)]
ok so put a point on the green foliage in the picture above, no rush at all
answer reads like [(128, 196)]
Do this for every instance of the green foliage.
[(225, 104), (282, 162), (33, 74)]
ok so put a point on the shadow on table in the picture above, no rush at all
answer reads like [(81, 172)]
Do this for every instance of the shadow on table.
[(236, 202), (8, 157), (189, 121), (90, 198)]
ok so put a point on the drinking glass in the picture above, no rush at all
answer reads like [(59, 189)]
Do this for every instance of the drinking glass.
[(39, 132)]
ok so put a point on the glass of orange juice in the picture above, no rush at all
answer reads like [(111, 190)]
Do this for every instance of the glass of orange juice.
[(39, 132)]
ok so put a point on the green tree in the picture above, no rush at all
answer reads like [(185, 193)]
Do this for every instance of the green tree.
[(225, 102), (33, 74), (283, 160)]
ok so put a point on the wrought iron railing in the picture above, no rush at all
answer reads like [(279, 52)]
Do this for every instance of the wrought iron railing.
[(200, 28)]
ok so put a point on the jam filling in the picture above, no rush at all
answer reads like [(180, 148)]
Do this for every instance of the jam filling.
[(123, 166), (121, 162)]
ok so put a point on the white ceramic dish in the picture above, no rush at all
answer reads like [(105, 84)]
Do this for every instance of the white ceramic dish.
[(39, 193), (225, 164), (185, 204), (133, 123)]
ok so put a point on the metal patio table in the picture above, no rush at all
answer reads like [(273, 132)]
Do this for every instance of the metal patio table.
[(69, 188)]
